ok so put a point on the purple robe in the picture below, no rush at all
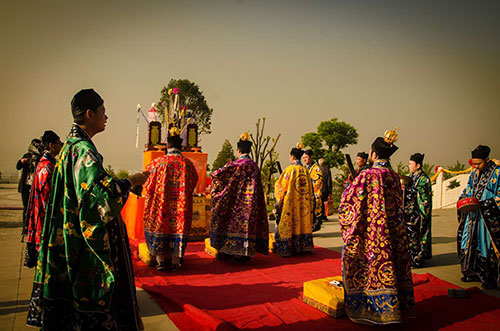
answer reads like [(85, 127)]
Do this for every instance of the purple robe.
[(375, 259), (238, 222)]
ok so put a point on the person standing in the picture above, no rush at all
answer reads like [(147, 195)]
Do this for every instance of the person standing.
[(27, 165), (168, 209), (418, 210), (317, 183), (238, 221), (40, 196), (83, 278), (326, 188), (375, 260), (478, 236), (294, 207)]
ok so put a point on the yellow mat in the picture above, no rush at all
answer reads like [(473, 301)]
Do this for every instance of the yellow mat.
[(326, 294)]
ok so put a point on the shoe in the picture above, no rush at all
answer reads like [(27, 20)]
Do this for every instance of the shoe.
[(488, 286), (176, 266), (243, 259), (161, 266), (468, 279)]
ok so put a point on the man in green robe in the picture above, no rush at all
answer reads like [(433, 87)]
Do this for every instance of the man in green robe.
[(418, 212), (83, 278)]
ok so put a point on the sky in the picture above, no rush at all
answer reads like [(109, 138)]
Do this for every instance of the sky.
[(430, 68)]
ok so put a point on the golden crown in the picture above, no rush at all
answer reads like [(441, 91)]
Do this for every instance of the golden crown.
[(391, 136)]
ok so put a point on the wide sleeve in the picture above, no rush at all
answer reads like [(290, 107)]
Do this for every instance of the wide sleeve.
[(352, 205), (281, 187), (99, 196), (192, 178), (317, 179), (424, 195)]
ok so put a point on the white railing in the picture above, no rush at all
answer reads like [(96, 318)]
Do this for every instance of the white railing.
[(445, 197)]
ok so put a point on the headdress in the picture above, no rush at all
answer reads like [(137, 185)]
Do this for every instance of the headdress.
[(363, 155), (83, 100), (384, 147), (244, 144), (481, 152), (297, 151), (174, 139), (417, 158)]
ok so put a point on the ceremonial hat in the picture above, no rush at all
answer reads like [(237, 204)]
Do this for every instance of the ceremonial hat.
[(417, 158), (309, 152), (85, 99), (174, 139), (244, 144), (384, 146), (49, 137), (481, 152), (297, 151), (363, 155)]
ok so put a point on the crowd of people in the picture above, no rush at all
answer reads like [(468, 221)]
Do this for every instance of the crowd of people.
[(78, 243)]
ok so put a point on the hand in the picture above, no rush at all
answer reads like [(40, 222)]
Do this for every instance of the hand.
[(25, 160), (139, 178)]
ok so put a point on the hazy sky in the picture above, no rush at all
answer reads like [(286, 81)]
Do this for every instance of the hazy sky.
[(430, 67)]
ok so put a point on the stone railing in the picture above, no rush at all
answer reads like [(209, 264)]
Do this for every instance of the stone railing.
[(445, 197)]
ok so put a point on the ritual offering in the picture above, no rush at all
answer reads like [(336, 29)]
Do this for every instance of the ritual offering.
[(326, 294), (467, 205)]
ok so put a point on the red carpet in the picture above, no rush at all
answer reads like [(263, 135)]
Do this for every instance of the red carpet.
[(209, 294)]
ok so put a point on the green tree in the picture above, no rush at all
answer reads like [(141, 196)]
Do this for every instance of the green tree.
[(338, 185), (331, 137), (267, 174), (191, 96), (226, 154), (109, 169), (122, 174), (402, 169), (455, 167), (428, 169)]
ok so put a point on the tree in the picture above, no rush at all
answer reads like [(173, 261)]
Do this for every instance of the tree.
[(122, 174), (428, 169), (226, 154), (338, 185), (455, 167), (109, 169), (331, 137), (260, 151), (190, 96), (402, 168), (267, 172)]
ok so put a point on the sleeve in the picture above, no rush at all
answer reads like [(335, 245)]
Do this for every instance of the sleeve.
[(281, 187), (424, 195), (351, 205), (100, 197), (192, 179), (317, 178)]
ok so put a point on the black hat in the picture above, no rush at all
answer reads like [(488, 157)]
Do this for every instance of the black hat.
[(49, 137), (174, 139), (417, 158), (363, 155), (244, 144), (481, 152), (297, 151), (83, 100), (383, 149), (309, 152)]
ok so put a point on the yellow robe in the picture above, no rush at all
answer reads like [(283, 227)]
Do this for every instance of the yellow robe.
[(294, 203), (317, 182)]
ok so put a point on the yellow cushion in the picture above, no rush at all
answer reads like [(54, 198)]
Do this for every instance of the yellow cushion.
[(209, 249), (144, 254), (323, 295)]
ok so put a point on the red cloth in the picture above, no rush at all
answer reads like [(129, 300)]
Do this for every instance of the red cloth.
[(40, 191), (209, 294)]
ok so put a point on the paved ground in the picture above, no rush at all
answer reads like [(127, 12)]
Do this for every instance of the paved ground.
[(16, 281)]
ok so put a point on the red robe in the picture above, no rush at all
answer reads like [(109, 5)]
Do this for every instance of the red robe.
[(40, 191), (169, 204)]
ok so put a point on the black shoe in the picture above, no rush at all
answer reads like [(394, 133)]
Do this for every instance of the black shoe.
[(176, 266), (468, 279), (488, 286), (243, 259), (161, 266)]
